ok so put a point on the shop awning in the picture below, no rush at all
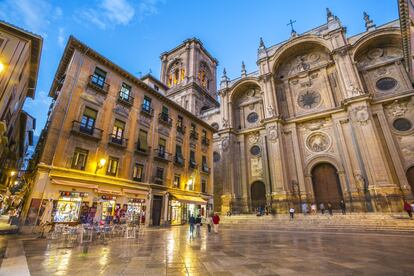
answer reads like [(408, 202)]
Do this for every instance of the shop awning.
[(190, 199), (74, 184)]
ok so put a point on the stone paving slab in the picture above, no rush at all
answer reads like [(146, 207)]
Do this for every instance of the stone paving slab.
[(231, 252)]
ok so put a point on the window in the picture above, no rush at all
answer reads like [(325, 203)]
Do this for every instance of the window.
[(88, 120), (125, 92), (146, 105), (138, 172), (112, 166), (156, 88), (164, 114), (193, 133), (204, 133), (159, 173), (79, 159), (98, 77), (387, 83), (118, 131), (193, 127), (142, 141), (192, 159), (178, 154), (252, 117), (216, 156), (177, 181), (203, 185), (402, 124), (204, 164), (179, 123), (161, 147), (255, 150)]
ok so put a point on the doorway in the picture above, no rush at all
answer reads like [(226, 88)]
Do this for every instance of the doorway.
[(326, 185), (410, 178), (156, 210), (258, 195)]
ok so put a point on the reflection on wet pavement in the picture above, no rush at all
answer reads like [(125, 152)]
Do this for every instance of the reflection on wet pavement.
[(231, 252)]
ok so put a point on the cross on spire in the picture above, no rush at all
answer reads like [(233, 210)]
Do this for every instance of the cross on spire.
[(291, 25)]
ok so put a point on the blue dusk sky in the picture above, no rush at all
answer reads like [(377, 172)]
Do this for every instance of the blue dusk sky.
[(133, 33)]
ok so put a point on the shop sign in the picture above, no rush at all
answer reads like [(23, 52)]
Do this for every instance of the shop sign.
[(108, 197), (137, 200), (73, 194)]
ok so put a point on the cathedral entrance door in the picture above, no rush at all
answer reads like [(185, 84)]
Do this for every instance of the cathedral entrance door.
[(326, 185), (258, 195), (410, 178)]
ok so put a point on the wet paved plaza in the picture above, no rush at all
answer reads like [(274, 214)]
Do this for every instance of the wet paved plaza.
[(231, 252)]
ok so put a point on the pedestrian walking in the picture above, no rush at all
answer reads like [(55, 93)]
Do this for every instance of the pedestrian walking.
[(343, 206), (330, 208), (322, 208), (198, 225), (216, 221), (313, 208), (408, 209), (292, 212), (304, 208), (209, 221), (191, 221)]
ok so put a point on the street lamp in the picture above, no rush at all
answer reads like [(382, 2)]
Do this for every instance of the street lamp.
[(1, 67), (12, 173), (100, 164)]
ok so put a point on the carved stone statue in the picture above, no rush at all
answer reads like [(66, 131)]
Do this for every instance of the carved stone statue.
[(271, 111), (359, 182)]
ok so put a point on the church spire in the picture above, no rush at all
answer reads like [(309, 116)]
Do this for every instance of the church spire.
[(243, 70), (224, 78), (369, 23)]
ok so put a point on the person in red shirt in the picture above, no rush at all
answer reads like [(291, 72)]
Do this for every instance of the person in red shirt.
[(216, 221), (407, 208)]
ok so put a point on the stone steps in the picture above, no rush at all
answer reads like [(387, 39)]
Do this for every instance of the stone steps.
[(398, 222)]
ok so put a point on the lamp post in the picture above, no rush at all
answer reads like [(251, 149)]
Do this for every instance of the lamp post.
[(100, 164), (1, 67)]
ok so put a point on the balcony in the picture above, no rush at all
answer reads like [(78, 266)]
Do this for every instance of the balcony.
[(162, 155), (125, 99), (147, 110), (192, 164), (179, 160), (140, 150), (117, 141), (181, 130), (205, 141), (139, 179), (194, 135), (164, 119), (85, 131), (205, 168), (98, 84), (158, 180)]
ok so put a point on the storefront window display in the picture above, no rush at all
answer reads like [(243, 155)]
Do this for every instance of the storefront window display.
[(108, 208), (68, 206), (176, 212), (135, 210)]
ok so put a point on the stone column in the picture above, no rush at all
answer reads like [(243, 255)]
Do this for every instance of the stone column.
[(244, 176), (385, 194)]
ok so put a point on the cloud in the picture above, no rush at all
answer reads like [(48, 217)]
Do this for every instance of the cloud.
[(110, 13), (61, 37)]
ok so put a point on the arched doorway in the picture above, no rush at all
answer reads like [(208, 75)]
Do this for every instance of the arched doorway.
[(326, 185), (258, 195), (410, 178)]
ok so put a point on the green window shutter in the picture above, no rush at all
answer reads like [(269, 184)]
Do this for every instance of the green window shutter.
[(143, 142)]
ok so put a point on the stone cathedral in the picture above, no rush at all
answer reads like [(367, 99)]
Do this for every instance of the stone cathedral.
[(326, 117)]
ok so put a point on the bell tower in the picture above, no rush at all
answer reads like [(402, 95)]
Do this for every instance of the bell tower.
[(189, 71)]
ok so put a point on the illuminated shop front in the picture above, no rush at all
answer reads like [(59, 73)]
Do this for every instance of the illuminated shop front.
[(135, 210), (68, 207), (182, 206), (108, 207)]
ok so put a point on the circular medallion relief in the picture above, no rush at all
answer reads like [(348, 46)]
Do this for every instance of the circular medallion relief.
[(402, 124), (255, 150), (318, 142), (252, 117), (309, 99), (216, 156), (386, 84)]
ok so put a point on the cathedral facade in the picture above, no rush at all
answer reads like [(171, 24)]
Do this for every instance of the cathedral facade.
[(325, 118)]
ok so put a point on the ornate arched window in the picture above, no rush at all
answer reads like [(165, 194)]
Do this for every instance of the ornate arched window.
[(204, 76), (176, 74)]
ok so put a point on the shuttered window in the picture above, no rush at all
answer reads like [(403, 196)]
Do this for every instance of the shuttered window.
[(143, 140)]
